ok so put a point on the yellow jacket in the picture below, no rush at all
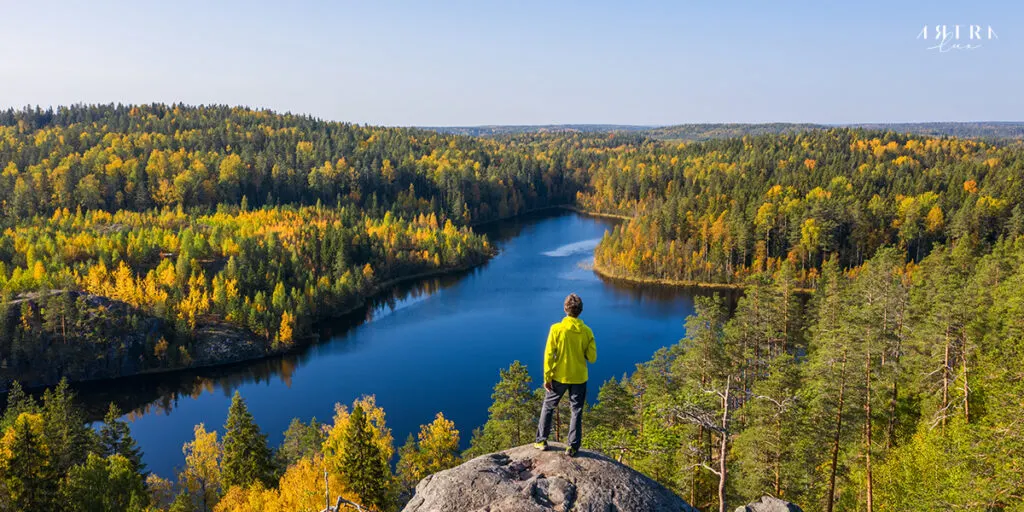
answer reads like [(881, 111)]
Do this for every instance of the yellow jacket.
[(570, 346)]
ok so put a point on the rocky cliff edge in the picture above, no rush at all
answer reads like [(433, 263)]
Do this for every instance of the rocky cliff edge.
[(525, 479)]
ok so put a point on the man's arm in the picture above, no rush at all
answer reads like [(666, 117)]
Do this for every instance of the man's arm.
[(591, 352), (550, 356)]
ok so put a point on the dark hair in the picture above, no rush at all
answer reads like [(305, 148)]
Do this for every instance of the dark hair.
[(573, 305)]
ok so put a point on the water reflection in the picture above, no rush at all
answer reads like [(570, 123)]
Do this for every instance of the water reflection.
[(664, 294), (141, 395)]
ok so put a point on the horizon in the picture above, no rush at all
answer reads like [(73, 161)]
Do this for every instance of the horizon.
[(462, 64), (498, 125)]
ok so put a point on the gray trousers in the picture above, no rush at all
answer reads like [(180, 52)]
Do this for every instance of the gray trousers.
[(577, 397)]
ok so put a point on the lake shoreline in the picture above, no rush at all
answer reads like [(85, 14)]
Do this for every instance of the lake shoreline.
[(589, 213), (308, 341), (674, 283)]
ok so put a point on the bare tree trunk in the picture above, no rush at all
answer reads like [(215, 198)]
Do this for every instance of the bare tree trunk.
[(945, 380), (890, 437), (835, 441), (967, 402), (867, 425), (778, 454), (202, 488), (693, 478), (785, 316), (710, 446), (723, 448)]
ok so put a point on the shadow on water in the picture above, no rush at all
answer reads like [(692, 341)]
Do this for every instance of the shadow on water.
[(160, 393), (649, 293)]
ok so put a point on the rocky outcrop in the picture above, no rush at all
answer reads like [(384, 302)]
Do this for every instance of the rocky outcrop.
[(525, 479), (770, 504), (54, 334)]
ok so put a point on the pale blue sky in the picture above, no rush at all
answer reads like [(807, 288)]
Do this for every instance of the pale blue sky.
[(521, 62)]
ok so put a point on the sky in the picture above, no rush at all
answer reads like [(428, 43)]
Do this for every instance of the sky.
[(457, 63)]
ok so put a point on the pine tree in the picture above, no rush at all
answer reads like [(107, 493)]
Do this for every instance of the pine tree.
[(64, 428), (612, 421), (364, 470), (766, 450), (246, 455), (712, 372), (876, 319), (513, 414), (831, 387), (17, 402), (409, 464), (300, 440), (116, 438)]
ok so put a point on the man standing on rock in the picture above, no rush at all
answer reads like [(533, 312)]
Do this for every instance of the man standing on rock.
[(569, 348)]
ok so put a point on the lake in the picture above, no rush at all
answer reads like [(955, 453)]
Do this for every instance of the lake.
[(435, 345)]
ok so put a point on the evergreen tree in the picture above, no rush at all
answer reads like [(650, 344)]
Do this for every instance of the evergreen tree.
[(512, 418), (247, 458), (182, 503), (832, 390), (18, 402), (116, 439), (711, 372), (613, 420), (300, 440), (67, 436), (364, 470), (409, 464), (767, 448)]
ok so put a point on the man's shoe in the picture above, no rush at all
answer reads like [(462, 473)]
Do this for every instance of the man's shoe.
[(570, 451), (543, 445)]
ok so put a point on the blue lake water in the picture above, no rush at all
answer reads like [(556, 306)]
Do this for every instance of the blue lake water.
[(435, 345)]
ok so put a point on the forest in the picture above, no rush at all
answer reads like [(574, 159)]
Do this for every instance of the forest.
[(720, 211), (156, 237), (868, 364), (51, 460)]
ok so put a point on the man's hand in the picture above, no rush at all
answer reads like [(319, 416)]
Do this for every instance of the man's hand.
[(550, 387)]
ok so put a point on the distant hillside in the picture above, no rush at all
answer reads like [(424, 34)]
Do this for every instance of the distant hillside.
[(979, 130), (709, 131), (491, 130)]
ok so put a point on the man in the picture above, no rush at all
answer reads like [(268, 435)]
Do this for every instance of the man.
[(569, 348)]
